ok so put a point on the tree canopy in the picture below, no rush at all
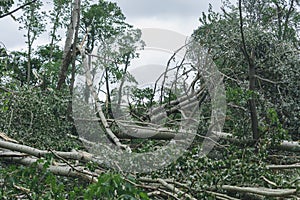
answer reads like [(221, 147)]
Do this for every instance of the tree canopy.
[(244, 58)]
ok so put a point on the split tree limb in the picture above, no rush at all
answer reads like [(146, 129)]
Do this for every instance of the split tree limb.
[(221, 196), (67, 54)]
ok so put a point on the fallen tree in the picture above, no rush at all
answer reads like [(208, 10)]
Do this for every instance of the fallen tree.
[(64, 165)]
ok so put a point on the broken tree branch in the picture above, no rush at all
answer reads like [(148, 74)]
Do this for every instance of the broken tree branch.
[(81, 156), (261, 191), (78, 172)]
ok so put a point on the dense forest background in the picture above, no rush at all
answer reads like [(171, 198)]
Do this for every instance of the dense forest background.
[(254, 46)]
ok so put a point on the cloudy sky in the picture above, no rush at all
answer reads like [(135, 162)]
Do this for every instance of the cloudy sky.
[(176, 15)]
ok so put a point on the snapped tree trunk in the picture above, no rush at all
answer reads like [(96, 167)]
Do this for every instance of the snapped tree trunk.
[(67, 54)]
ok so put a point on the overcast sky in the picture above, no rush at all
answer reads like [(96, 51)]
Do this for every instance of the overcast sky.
[(176, 15)]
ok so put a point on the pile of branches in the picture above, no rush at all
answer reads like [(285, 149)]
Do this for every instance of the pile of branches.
[(63, 165)]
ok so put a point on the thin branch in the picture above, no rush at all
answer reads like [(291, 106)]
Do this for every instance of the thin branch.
[(269, 182), (267, 80), (174, 189), (15, 10)]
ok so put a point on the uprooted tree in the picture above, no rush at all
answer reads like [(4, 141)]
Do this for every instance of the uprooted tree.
[(81, 126)]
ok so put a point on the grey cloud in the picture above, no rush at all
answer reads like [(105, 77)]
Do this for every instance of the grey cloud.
[(148, 8)]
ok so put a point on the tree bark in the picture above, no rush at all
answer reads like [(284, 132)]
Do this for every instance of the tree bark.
[(67, 54), (73, 71)]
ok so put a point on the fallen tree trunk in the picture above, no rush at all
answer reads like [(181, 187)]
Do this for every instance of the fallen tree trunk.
[(284, 145), (21, 154), (267, 192), (81, 156), (168, 134), (60, 169), (293, 166), (290, 145)]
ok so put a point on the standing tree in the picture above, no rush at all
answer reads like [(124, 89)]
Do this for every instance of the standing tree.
[(261, 35), (57, 15), (33, 22), (118, 51), (115, 40)]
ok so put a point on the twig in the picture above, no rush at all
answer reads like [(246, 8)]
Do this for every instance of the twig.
[(270, 182), (267, 80), (6, 138), (21, 188)]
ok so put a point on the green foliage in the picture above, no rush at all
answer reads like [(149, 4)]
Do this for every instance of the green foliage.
[(5, 6), (273, 40), (34, 182), (37, 118), (103, 20), (237, 120), (37, 115), (225, 165), (113, 186), (14, 67), (31, 182), (32, 20), (273, 129), (50, 61), (59, 17)]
